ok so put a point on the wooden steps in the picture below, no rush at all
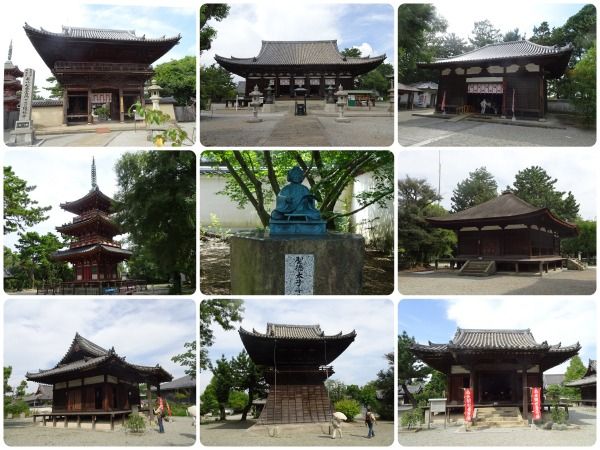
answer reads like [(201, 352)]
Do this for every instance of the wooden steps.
[(296, 404), (478, 268)]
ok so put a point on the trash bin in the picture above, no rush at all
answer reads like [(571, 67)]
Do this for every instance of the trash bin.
[(300, 109)]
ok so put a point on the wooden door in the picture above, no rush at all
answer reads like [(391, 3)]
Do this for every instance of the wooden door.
[(74, 400)]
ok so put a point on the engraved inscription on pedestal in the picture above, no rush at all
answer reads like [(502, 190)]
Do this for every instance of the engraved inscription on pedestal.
[(23, 134), (299, 274)]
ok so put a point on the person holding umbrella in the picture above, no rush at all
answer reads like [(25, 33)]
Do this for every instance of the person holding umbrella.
[(336, 424), (370, 421)]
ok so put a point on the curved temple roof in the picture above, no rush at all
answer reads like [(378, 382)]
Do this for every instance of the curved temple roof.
[(86, 250), (295, 345), (505, 209), (94, 199), (299, 53)]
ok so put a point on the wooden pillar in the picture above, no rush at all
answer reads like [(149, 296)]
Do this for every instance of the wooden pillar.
[(89, 105), (472, 382), (78, 421), (504, 94), (65, 105), (150, 404), (121, 106), (478, 241), (525, 393)]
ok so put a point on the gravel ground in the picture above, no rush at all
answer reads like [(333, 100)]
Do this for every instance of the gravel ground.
[(360, 132), (443, 282), (233, 130), (424, 131), (235, 433), (22, 432), (584, 434)]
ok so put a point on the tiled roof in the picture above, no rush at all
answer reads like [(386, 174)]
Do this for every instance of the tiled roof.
[(46, 102), (89, 249), (553, 378), (185, 382), (96, 218), (494, 339), (407, 88), (285, 331), (95, 195), (100, 34), (504, 50), (585, 381), (282, 53)]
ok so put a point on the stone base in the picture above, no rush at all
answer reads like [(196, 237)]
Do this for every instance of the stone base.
[(330, 108), (268, 108), (22, 136), (258, 262), (254, 120), (342, 119)]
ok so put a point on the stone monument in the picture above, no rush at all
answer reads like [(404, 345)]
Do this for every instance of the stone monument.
[(24, 134), (342, 97), (268, 105), (255, 103), (154, 90), (330, 100), (297, 256)]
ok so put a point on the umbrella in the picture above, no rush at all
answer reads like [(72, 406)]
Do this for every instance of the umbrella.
[(339, 415)]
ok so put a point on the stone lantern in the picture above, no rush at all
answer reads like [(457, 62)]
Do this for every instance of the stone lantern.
[(342, 97), (268, 104), (154, 90), (391, 94), (255, 104), (330, 100)]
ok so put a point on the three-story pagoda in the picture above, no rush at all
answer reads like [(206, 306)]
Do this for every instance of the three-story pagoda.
[(297, 362), (93, 252)]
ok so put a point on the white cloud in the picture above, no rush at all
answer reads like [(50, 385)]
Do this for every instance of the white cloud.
[(366, 49)]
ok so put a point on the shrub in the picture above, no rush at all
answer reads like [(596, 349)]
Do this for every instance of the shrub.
[(16, 407), (349, 407), (412, 418), (558, 415), (178, 409), (135, 423)]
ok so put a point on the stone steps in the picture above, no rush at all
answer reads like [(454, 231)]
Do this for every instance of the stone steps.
[(499, 417), (478, 268)]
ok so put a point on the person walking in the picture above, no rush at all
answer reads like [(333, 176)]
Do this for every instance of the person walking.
[(370, 421), (160, 412)]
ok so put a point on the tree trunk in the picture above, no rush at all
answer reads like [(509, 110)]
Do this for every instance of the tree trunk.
[(221, 411), (408, 395), (176, 282), (248, 405)]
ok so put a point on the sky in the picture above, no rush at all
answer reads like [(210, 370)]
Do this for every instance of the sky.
[(568, 165), (369, 27), (523, 15), (141, 16), (360, 362), (38, 332), (61, 175), (550, 319)]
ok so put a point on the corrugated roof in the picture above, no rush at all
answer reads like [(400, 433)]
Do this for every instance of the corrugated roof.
[(282, 53), (503, 50)]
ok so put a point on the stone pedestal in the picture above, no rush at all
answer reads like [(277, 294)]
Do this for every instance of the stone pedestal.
[(268, 108), (23, 134), (329, 264), (330, 108)]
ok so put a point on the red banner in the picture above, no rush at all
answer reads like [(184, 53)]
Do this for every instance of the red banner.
[(536, 403), (469, 406)]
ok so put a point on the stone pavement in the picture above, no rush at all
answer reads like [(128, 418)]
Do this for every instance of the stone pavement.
[(422, 131), (305, 129), (448, 282)]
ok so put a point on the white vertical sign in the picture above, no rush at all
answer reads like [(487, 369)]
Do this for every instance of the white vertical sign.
[(299, 274)]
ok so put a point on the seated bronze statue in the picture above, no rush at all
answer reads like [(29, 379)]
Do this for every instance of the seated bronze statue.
[(294, 201)]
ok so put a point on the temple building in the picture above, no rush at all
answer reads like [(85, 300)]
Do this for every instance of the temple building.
[(287, 65), (92, 381), (297, 362), (587, 384), (92, 251), (499, 365), (11, 87), (500, 73), (99, 67), (506, 233)]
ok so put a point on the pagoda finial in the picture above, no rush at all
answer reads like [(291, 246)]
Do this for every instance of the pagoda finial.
[(10, 51), (94, 184)]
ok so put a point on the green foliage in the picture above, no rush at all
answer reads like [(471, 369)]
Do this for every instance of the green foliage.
[(351, 52), (412, 418), (484, 34), (512, 35), (178, 79), (385, 383), (21, 389), (554, 393), (187, 359), (376, 79), (216, 84), (208, 400), (249, 377), (418, 243), (16, 407), (558, 415), (208, 11), (479, 187), (349, 407), (434, 388), (256, 177), (135, 423), (584, 242), (173, 135), (336, 390), (583, 80), (20, 210), (156, 205), (179, 409), (102, 112), (449, 44), (224, 383), (536, 187), (216, 227), (237, 401), (409, 367), (223, 312), (56, 91), (7, 373), (576, 370)]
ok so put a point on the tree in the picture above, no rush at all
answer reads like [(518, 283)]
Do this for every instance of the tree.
[(35, 258), (576, 370), (450, 45), (216, 84), (583, 80), (352, 52), (536, 187), (376, 79), (178, 79), (335, 389), (256, 178), (385, 384), (434, 388), (350, 408), (584, 242), (513, 35), (7, 373), (248, 377), (156, 205), (187, 359), (208, 11), (542, 35), (56, 91), (484, 34), (418, 243), (417, 24), (221, 311), (208, 399), (223, 377), (21, 389), (409, 367), (479, 187), (20, 210), (237, 401)]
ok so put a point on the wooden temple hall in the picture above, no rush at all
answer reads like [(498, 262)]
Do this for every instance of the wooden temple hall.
[(99, 67), (500, 365), (506, 233), (297, 361), (500, 73), (310, 65), (90, 382)]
